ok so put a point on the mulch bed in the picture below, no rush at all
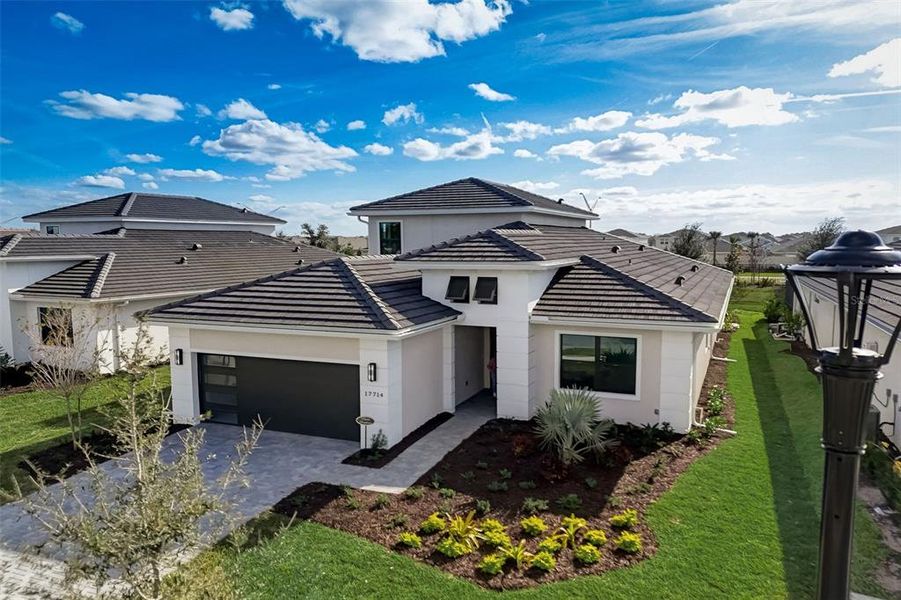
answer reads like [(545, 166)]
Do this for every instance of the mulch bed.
[(64, 460), (716, 375), (376, 459)]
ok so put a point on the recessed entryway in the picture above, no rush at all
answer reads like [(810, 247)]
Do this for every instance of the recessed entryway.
[(475, 351)]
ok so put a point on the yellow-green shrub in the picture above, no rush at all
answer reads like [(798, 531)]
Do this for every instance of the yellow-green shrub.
[(432, 524), (587, 554), (595, 537), (628, 542), (627, 519), (533, 526)]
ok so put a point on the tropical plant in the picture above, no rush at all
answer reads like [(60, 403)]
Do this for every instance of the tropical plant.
[(733, 259), (715, 238), (627, 519), (586, 554), (464, 529), (518, 554), (544, 561), (628, 542), (571, 427), (533, 526), (571, 528), (773, 310), (409, 539)]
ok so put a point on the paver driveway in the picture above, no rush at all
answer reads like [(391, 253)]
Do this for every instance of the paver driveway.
[(280, 463)]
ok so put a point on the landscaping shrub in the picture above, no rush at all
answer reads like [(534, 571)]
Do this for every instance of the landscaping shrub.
[(399, 520), (505, 474), (544, 561), (492, 564), (463, 529), (414, 493), (530, 506), (614, 501), (569, 502), (447, 493), (527, 485), (591, 483), (550, 544), (381, 501), (492, 525), (496, 539), (884, 472), (483, 507), (773, 310), (628, 542), (409, 539), (352, 503), (793, 323), (587, 554), (436, 481), (533, 526), (716, 401), (518, 554), (468, 475), (432, 524), (570, 426), (627, 519), (498, 486), (451, 548), (481, 465), (570, 529), (595, 537)]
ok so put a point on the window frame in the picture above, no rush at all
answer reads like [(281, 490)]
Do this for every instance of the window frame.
[(400, 236), (48, 232), (475, 291), (558, 360), (450, 281), (44, 329)]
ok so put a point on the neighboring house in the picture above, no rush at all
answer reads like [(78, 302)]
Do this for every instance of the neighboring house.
[(401, 339), (360, 243), (890, 235), (638, 238), (883, 313), (432, 215), (151, 211), (103, 279)]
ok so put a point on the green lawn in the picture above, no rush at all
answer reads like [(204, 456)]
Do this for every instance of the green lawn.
[(32, 421), (740, 523)]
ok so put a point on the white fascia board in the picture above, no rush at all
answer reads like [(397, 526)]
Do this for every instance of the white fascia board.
[(389, 213), (487, 265), (50, 257), (626, 324), (106, 299), (102, 219), (722, 320), (295, 330)]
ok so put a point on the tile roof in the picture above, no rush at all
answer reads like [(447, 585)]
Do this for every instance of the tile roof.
[(368, 293), (155, 206), (136, 262), (470, 193), (700, 290)]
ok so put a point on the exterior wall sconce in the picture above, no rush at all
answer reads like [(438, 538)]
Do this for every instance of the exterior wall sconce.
[(370, 372), (179, 356)]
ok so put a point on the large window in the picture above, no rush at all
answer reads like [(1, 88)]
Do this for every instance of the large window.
[(389, 237), (56, 326), (599, 363), (52, 229)]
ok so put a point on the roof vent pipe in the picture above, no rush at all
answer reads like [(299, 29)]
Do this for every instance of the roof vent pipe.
[(641, 246), (196, 246), (559, 200), (680, 280), (695, 268), (300, 262), (296, 249), (183, 260), (615, 249)]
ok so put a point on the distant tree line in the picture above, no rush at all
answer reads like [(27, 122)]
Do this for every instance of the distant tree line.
[(320, 237)]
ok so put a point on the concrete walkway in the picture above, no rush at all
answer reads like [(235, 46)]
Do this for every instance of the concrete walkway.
[(281, 463)]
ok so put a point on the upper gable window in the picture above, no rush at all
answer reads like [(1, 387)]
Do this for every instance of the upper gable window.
[(51, 229), (458, 289), (389, 237), (486, 290)]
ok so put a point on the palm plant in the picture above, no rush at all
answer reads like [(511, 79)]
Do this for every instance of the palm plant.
[(464, 530), (715, 237), (570, 425)]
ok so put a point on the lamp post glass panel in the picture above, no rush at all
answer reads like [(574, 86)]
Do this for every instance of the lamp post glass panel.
[(861, 274)]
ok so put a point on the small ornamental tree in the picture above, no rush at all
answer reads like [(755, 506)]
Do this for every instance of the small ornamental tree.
[(733, 259), (822, 236), (689, 241), (125, 524), (715, 238)]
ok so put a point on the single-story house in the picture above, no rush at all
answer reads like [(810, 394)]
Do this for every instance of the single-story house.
[(102, 279), (400, 338)]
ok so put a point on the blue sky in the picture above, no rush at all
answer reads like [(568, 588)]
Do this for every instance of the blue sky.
[(744, 115)]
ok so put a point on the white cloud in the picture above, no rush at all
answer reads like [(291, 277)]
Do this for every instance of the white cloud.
[(884, 129), (457, 131), (144, 158), (523, 153), (241, 110), (377, 149), (356, 125), (483, 90), (195, 140), (263, 198), (321, 126), (101, 181), (232, 20), (473, 147), (536, 186), (150, 185), (638, 153), (119, 171), (4, 140), (602, 122), (61, 20), (402, 113), (738, 107), (540, 37), (192, 174), (274, 86), (292, 151), (883, 61), (524, 130), (203, 110), (659, 99), (82, 104), (145, 177), (390, 31)]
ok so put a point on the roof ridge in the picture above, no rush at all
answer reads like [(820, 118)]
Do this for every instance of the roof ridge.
[(126, 206), (10, 244), (370, 296), (592, 262), (106, 263), (521, 250), (73, 205), (495, 188), (425, 189)]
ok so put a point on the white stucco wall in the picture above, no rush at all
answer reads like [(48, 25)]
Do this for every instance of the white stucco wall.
[(703, 350), (420, 231), (470, 362), (638, 410), (422, 376), (82, 227)]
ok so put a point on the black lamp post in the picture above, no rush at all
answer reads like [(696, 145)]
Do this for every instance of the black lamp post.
[(853, 271)]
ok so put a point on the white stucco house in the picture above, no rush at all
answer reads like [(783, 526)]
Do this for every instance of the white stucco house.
[(476, 271), (151, 249)]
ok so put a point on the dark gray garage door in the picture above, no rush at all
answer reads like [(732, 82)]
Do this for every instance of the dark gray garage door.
[(312, 398)]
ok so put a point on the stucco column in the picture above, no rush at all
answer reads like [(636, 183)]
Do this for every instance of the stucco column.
[(513, 370), (382, 399), (676, 365), (185, 384), (449, 400)]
